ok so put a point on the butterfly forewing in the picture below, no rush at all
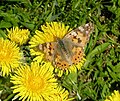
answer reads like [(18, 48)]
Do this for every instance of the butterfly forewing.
[(80, 36), (48, 49)]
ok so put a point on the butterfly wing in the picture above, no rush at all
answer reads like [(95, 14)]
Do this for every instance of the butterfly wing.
[(55, 54), (78, 55), (80, 36), (60, 62), (75, 58), (49, 50), (77, 40)]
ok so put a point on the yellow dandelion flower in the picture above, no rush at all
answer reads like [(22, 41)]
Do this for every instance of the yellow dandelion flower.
[(61, 95), (9, 56), (19, 36), (50, 33), (35, 82), (114, 97)]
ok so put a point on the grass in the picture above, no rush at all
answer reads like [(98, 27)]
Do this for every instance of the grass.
[(100, 74)]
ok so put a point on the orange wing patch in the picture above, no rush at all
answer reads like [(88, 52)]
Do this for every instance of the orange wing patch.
[(78, 55), (59, 62)]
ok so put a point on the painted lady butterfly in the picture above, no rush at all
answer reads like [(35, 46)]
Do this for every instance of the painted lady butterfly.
[(69, 50)]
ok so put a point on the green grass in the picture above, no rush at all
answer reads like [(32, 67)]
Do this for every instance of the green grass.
[(100, 74)]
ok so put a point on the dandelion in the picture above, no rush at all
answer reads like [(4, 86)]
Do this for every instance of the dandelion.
[(9, 56), (35, 82), (114, 97), (19, 36), (49, 33), (62, 95)]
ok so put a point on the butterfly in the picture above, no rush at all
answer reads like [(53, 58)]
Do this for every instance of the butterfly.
[(69, 50)]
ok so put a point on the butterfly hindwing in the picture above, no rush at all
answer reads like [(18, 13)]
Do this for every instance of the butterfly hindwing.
[(78, 55), (60, 62)]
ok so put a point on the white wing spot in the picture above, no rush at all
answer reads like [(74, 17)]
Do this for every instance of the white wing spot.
[(87, 32), (73, 33), (86, 25), (81, 29)]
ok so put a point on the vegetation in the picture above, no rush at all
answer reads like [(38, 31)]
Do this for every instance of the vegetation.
[(100, 74)]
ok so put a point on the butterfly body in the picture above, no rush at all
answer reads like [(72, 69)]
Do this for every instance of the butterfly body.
[(61, 46), (70, 49), (64, 49)]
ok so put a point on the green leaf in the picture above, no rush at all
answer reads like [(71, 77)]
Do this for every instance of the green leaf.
[(99, 49), (28, 25), (4, 24), (70, 81)]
